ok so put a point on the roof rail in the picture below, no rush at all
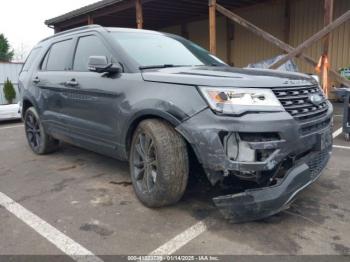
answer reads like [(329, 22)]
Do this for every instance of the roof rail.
[(72, 31)]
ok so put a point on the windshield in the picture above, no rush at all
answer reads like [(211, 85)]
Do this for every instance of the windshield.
[(149, 49)]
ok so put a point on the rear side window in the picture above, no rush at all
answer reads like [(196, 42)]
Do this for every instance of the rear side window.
[(30, 59), (88, 46), (58, 56)]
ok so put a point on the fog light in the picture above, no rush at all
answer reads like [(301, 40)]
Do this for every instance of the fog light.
[(238, 150)]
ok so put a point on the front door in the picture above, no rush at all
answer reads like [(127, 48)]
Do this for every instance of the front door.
[(90, 103)]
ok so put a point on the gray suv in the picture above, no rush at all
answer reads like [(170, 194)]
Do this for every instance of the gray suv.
[(155, 99)]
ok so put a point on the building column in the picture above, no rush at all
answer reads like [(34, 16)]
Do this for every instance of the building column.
[(328, 18), (139, 14), (90, 20), (212, 26), (230, 35)]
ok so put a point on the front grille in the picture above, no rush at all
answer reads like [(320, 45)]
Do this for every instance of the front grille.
[(318, 162), (315, 127), (296, 101)]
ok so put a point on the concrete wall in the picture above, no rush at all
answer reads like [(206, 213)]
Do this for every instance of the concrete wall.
[(306, 19)]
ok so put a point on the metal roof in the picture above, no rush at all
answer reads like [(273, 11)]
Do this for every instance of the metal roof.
[(10, 71)]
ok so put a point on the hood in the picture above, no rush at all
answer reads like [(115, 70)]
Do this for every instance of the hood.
[(227, 77)]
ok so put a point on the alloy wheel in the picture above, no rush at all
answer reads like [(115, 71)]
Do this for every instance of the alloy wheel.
[(145, 163), (33, 132)]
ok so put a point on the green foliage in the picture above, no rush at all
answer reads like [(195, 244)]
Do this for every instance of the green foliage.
[(6, 54), (9, 91)]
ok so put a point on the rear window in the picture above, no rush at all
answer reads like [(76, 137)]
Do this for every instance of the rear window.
[(58, 56), (30, 59)]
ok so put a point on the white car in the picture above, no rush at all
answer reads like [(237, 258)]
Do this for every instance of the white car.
[(10, 112)]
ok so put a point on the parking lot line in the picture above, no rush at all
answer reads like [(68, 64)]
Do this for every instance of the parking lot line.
[(337, 132), (180, 240), (9, 127), (341, 147), (57, 238)]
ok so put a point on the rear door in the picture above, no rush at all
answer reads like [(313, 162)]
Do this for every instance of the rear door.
[(91, 101), (50, 80)]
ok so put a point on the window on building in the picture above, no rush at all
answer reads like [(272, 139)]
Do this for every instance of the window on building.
[(88, 46)]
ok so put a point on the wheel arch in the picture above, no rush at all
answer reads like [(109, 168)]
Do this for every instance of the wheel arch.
[(143, 115), (27, 103)]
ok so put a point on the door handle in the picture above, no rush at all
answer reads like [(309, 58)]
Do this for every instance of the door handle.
[(36, 80), (72, 83)]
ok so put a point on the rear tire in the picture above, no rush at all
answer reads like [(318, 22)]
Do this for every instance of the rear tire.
[(159, 164), (39, 141)]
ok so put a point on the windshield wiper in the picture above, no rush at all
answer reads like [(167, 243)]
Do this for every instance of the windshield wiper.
[(158, 66), (211, 64)]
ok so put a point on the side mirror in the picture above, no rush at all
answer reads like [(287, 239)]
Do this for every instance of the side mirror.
[(99, 64)]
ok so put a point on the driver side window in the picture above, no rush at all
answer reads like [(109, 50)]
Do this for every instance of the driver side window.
[(88, 46)]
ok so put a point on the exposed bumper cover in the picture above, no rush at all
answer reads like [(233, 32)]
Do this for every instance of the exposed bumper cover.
[(260, 203), (202, 132), (311, 140)]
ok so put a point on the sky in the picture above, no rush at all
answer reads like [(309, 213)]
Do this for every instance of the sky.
[(22, 21)]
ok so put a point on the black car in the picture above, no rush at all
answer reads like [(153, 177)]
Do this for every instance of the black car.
[(154, 99)]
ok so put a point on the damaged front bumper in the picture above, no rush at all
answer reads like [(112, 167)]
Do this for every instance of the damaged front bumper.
[(306, 145), (260, 203)]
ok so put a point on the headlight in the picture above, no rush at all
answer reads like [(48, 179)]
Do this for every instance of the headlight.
[(241, 100)]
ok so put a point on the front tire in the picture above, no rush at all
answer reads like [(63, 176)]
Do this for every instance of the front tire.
[(159, 164), (39, 141)]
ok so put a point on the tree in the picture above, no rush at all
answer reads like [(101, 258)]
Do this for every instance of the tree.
[(21, 52), (9, 91), (6, 54)]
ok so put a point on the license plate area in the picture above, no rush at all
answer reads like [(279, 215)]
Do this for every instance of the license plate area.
[(324, 140)]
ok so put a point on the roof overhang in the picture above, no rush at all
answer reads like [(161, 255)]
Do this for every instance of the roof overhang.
[(85, 10), (157, 13)]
